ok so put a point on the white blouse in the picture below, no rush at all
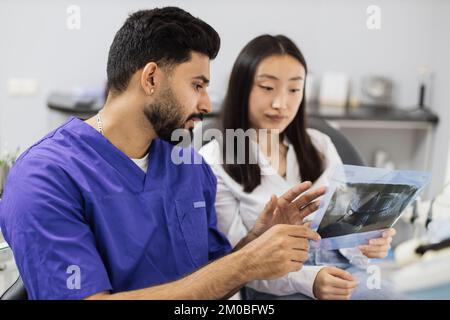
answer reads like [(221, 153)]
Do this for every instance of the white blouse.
[(237, 210)]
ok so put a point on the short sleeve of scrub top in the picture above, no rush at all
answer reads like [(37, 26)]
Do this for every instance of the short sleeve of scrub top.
[(56, 248)]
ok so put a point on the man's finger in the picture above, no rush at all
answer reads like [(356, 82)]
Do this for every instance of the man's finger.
[(307, 224), (296, 266), (270, 205), (310, 208), (299, 256), (293, 193), (300, 231), (300, 245), (309, 196)]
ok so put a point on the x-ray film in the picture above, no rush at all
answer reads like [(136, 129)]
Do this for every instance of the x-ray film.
[(362, 202)]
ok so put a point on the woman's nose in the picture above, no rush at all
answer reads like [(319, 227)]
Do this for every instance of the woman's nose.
[(279, 103)]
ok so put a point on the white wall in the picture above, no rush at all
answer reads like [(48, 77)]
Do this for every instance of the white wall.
[(441, 93), (332, 34)]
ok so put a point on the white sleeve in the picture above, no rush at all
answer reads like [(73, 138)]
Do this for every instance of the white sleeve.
[(229, 219), (295, 282), (355, 257)]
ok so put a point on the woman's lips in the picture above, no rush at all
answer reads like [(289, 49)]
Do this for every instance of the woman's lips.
[(276, 118)]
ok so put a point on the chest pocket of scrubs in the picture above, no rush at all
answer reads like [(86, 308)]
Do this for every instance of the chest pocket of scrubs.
[(193, 222)]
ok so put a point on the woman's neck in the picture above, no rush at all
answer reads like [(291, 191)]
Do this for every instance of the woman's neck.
[(269, 142), (272, 146)]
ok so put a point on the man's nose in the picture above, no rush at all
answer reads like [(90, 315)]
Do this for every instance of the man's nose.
[(205, 104)]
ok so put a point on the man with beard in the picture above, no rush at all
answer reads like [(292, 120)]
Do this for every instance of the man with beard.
[(97, 208)]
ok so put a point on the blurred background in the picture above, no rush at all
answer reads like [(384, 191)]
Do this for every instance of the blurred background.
[(379, 71)]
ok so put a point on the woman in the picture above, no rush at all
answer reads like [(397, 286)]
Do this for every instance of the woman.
[(266, 95)]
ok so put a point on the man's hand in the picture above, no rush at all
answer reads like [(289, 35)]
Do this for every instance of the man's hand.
[(289, 208), (280, 250), (334, 284), (379, 247)]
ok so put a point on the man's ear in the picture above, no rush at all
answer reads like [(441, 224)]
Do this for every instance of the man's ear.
[(148, 82)]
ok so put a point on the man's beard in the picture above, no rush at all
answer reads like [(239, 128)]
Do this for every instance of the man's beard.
[(165, 115)]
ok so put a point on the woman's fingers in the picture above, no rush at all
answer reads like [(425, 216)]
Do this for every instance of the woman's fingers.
[(338, 291), (336, 297), (389, 233), (343, 284), (339, 273), (375, 251), (380, 241), (338, 284), (379, 247), (375, 248)]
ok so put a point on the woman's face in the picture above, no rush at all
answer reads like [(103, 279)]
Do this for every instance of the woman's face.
[(276, 93)]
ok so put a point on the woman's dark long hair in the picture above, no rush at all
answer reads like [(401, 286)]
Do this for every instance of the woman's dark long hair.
[(235, 112)]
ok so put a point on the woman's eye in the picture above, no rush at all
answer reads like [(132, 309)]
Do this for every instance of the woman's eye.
[(266, 88), (294, 90)]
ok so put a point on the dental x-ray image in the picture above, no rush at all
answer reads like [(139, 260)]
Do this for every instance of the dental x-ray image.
[(362, 207)]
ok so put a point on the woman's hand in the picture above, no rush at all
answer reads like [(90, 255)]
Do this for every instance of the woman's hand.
[(334, 284), (379, 247), (290, 208)]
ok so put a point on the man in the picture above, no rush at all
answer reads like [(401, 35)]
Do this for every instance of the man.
[(97, 209)]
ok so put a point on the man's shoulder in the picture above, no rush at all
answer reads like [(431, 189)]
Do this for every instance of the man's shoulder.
[(51, 142), (52, 150)]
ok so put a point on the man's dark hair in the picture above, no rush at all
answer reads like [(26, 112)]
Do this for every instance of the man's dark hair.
[(166, 36)]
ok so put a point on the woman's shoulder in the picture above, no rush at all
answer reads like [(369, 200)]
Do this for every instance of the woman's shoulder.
[(320, 140), (212, 154), (326, 147)]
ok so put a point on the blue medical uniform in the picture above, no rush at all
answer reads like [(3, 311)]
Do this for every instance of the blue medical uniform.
[(81, 217)]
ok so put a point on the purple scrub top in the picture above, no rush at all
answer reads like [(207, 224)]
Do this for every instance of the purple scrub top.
[(81, 217)]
